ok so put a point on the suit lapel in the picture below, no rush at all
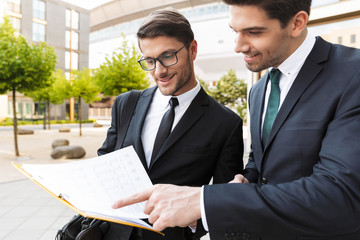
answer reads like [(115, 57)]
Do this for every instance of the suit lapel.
[(307, 74), (139, 116), (190, 117), (257, 106)]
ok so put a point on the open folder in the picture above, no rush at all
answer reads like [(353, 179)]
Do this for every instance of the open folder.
[(91, 186)]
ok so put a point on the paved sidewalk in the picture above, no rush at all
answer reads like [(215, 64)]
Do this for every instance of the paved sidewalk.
[(26, 210)]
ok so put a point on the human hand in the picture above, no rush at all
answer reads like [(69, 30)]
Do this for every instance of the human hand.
[(167, 205), (239, 179)]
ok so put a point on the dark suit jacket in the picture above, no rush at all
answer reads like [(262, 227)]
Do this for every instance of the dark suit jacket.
[(307, 178), (207, 142)]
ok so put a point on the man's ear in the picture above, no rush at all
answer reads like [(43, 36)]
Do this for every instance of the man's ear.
[(299, 22), (193, 50)]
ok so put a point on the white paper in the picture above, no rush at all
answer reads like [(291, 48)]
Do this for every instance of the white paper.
[(93, 185)]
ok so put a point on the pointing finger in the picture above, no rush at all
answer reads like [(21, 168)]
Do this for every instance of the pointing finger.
[(135, 198)]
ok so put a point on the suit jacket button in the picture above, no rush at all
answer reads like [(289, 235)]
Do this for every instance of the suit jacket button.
[(264, 181)]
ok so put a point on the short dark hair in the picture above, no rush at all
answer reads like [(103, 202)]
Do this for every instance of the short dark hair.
[(166, 22), (283, 10)]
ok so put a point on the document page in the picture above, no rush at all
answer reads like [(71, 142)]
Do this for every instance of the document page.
[(93, 185)]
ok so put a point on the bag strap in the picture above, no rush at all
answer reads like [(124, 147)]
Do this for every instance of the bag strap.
[(127, 113)]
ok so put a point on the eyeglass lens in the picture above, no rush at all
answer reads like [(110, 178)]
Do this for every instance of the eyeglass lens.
[(166, 60)]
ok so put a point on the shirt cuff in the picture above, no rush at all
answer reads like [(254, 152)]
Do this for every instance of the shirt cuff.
[(202, 209)]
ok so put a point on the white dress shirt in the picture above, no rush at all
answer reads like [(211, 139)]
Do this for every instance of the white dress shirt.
[(158, 107), (289, 70)]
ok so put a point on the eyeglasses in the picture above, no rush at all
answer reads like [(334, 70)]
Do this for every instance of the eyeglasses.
[(166, 59)]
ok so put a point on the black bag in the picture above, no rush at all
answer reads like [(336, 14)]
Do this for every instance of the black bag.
[(82, 228)]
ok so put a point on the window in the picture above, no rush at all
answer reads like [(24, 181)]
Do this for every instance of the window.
[(38, 32), (71, 40), (39, 9), (68, 18), (71, 60), (74, 40), (74, 61), (353, 38), (67, 60), (340, 40), (67, 39), (72, 19), (28, 108), (13, 5)]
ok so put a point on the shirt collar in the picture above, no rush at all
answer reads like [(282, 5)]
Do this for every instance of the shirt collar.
[(292, 65), (184, 99)]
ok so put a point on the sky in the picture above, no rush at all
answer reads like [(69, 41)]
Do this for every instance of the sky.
[(90, 4), (87, 4)]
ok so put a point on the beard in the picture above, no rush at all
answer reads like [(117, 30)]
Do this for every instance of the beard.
[(180, 83)]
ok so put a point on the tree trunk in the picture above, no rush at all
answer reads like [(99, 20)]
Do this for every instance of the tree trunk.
[(15, 123), (48, 113), (44, 120), (79, 113), (55, 112)]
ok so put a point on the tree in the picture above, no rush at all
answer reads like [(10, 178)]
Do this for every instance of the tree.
[(23, 67), (231, 92), (121, 72), (83, 87), (55, 94)]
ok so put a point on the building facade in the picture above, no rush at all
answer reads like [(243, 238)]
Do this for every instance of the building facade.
[(63, 26)]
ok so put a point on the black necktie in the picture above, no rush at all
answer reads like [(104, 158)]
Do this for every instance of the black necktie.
[(273, 104), (165, 127)]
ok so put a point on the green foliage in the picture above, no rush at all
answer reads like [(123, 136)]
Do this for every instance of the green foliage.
[(231, 92), (9, 122), (23, 67), (121, 72), (83, 86)]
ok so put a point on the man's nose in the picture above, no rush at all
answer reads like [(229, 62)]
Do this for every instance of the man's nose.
[(160, 69), (241, 44)]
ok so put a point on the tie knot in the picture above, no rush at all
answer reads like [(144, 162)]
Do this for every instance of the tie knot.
[(275, 76), (173, 102)]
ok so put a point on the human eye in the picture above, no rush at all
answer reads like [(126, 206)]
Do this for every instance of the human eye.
[(167, 56), (149, 61), (255, 32)]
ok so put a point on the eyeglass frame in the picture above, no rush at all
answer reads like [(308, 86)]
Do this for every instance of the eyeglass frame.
[(158, 59)]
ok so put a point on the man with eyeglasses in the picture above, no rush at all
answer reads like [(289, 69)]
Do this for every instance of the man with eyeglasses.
[(206, 138)]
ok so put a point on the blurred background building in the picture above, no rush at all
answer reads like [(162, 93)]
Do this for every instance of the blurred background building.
[(65, 27), (85, 32)]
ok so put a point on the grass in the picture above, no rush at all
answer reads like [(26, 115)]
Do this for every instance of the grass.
[(9, 122)]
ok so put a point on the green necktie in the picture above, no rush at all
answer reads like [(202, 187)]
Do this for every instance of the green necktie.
[(273, 104)]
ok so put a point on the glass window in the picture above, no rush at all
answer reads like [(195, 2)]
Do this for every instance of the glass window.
[(10, 108), (340, 39), (67, 39), (68, 18), (71, 60), (39, 9), (13, 5), (38, 32), (74, 61), (67, 60), (353, 38), (75, 20), (28, 108), (72, 19), (74, 40)]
